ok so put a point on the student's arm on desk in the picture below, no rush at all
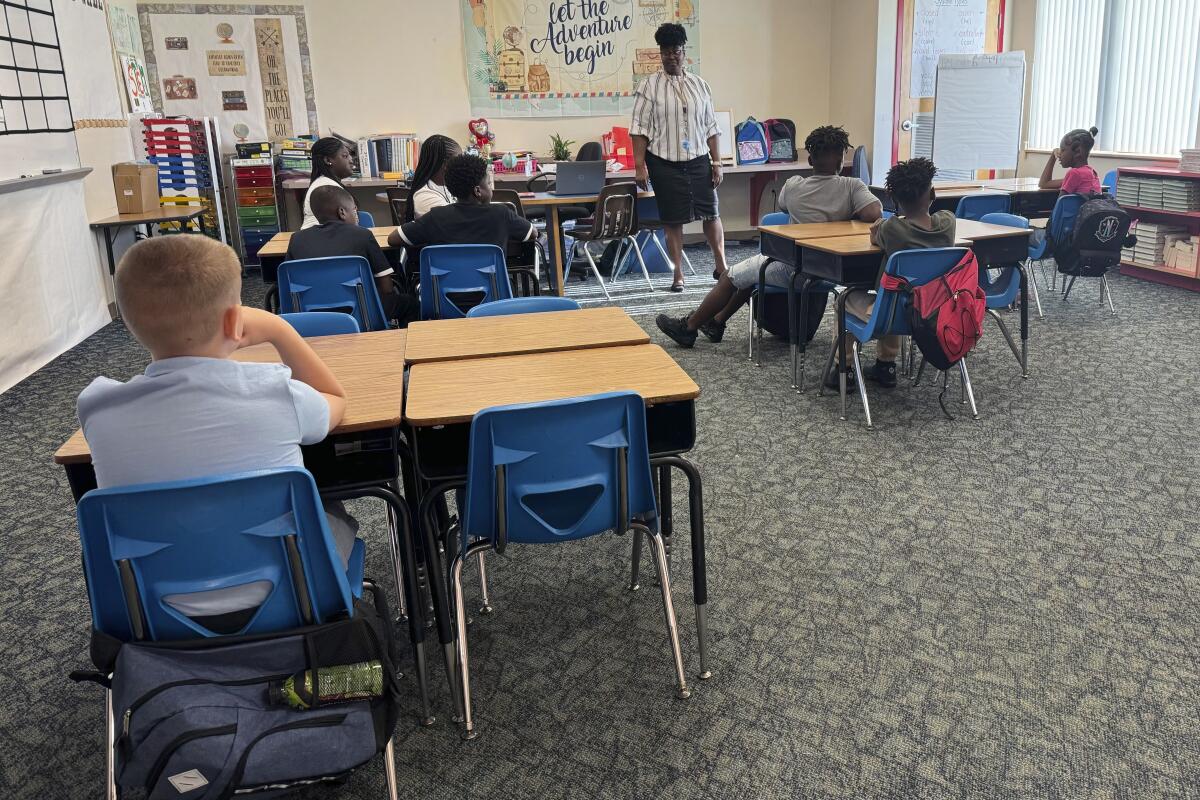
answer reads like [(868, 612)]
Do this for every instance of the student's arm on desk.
[(260, 326), (410, 234), (877, 233), (868, 207)]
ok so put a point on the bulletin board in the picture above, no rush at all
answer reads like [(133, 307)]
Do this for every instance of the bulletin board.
[(245, 66)]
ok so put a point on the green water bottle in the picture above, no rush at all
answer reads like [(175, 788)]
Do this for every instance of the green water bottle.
[(341, 684)]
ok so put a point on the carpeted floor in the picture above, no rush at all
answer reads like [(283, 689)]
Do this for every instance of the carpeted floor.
[(1007, 608)]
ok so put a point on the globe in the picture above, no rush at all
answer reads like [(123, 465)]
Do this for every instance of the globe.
[(509, 160)]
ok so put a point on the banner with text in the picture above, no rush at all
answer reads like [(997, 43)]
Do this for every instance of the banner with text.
[(566, 58)]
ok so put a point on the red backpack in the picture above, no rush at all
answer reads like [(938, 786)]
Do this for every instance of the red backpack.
[(945, 315)]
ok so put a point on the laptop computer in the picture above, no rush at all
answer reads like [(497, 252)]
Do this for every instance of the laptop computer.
[(575, 178)]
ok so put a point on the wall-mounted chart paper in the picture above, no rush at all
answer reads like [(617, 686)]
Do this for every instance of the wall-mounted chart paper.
[(944, 26), (977, 111)]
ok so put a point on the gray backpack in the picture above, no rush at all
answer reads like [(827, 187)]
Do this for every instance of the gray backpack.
[(197, 719)]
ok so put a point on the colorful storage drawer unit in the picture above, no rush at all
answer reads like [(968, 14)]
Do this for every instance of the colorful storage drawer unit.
[(257, 209)]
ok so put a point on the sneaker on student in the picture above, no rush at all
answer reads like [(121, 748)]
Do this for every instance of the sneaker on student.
[(883, 373), (714, 330), (677, 329)]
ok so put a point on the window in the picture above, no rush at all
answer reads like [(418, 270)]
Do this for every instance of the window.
[(1129, 67)]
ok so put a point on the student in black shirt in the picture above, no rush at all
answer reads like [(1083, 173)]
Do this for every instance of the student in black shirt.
[(338, 234), (473, 219)]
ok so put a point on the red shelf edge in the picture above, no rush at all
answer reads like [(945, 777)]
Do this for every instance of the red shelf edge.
[(1160, 276), (1190, 215)]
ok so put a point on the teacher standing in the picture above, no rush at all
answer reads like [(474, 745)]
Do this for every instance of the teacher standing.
[(675, 146)]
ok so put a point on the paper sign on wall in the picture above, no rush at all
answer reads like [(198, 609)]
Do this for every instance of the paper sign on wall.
[(944, 26), (137, 84), (223, 63), (277, 101)]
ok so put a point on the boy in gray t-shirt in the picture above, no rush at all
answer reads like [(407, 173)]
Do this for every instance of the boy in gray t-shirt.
[(825, 196)]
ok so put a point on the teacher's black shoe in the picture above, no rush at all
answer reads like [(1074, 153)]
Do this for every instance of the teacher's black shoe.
[(677, 329)]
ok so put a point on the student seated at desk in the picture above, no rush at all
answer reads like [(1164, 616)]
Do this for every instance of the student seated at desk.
[(331, 165), (1072, 153), (472, 219), (911, 185), (338, 234), (429, 180), (825, 196), (195, 412)]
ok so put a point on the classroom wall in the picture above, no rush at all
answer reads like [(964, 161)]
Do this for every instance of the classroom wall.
[(853, 40)]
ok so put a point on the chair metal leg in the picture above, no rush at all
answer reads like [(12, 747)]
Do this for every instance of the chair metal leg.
[(397, 570), (688, 261), (486, 607), (664, 580), (1107, 291), (595, 271), (636, 559), (920, 372), (966, 383), (1012, 344), (750, 331), (110, 728), (389, 770), (862, 385), (464, 667), (828, 366), (662, 250), (637, 249), (1067, 287), (1032, 284)]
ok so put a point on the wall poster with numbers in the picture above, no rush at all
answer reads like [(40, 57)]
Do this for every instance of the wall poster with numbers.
[(563, 58)]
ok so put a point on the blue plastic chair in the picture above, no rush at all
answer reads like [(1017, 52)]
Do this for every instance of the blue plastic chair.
[(144, 543), (890, 314), (321, 323), (523, 305), (1006, 289), (974, 206), (555, 472), (457, 277), (1109, 182), (755, 327), (366, 219), (1062, 222), (337, 283)]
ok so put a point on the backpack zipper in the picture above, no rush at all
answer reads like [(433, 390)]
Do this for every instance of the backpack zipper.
[(320, 722), (160, 763)]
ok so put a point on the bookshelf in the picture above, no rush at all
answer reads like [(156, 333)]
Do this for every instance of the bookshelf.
[(1165, 203)]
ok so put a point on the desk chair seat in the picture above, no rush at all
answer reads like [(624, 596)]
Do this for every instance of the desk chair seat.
[(337, 283), (321, 323), (1006, 289), (552, 472), (523, 305), (889, 316), (616, 219)]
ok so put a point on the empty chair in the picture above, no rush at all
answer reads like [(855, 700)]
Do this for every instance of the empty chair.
[(523, 305), (1006, 290), (524, 259), (457, 277), (615, 219), (974, 206), (552, 472), (1062, 222), (337, 283), (649, 224), (321, 323), (366, 219), (1110, 182), (400, 204)]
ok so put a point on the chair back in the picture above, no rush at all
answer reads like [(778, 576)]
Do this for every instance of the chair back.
[(457, 277), (616, 214), (399, 202), (1004, 290), (1062, 218), (859, 168), (974, 206), (523, 305), (590, 151), (916, 267), (1006, 219), (1110, 182), (775, 218), (336, 283), (144, 544), (366, 219), (559, 470), (510, 198), (321, 323)]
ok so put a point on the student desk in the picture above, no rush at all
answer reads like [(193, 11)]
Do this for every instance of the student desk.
[(479, 337), (359, 458), (1025, 198), (299, 188), (444, 396), (553, 202), (109, 226), (274, 252)]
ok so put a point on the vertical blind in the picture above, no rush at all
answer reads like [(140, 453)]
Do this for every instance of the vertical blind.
[(1130, 67)]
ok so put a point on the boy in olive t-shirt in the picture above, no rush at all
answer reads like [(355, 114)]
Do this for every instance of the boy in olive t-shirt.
[(914, 228)]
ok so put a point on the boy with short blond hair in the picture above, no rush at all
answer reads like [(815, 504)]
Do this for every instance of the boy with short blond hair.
[(195, 412)]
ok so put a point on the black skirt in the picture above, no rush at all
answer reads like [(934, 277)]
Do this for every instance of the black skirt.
[(684, 189)]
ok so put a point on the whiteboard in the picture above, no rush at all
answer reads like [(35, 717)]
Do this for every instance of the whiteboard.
[(977, 111), (725, 123), (943, 26)]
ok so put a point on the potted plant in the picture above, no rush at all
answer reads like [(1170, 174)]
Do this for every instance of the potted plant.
[(560, 148)]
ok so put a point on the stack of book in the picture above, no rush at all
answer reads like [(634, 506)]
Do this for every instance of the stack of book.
[(388, 155), (1183, 256), (295, 155), (1181, 195), (1150, 193), (1152, 240), (1189, 160), (1127, 189)]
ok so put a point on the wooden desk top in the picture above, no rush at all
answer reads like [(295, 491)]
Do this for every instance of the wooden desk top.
[(349, 183), (277, 245), (1039, 223), (857, 245), (449, 392), (370, 367), (817, 230), (551, 199), (482, 337), (171, 213), (966, 231), (972, 230)]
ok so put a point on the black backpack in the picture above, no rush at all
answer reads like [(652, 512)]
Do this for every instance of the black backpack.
[(781, 140), (1094, 244)]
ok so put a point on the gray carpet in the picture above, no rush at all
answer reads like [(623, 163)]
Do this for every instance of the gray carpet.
[(1005, 608)]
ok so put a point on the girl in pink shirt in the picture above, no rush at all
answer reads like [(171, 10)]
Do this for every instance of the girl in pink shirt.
[(1073, 153)]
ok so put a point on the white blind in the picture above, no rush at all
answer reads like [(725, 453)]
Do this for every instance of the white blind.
[(1130, 67)]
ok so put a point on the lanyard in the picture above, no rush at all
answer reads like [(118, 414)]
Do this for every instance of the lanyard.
[(681, 94)]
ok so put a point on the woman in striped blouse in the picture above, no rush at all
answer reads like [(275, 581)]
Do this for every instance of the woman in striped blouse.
[(675, 147)]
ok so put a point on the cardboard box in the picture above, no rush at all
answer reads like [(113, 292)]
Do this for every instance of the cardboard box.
[(136, 186)]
